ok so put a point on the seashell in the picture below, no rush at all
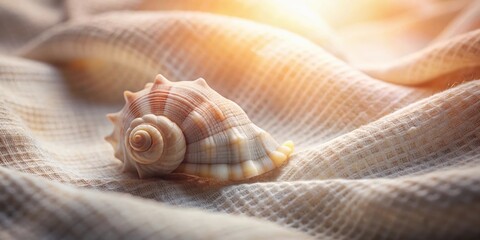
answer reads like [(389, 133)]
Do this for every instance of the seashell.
[(188, 128)]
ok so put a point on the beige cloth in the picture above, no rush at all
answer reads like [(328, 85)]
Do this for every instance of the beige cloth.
[(380, 97)]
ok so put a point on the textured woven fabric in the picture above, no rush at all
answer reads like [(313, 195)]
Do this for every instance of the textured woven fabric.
[(383, 103)]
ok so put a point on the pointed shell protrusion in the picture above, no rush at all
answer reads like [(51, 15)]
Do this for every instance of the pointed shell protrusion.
[(129, 96), (188, 128)]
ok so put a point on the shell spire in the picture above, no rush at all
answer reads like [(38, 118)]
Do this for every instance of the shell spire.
[(188, 128)]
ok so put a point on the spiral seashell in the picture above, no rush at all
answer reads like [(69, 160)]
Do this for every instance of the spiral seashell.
[(188, 128)]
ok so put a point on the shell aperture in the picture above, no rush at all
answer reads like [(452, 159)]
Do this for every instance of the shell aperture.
[(188, 128)]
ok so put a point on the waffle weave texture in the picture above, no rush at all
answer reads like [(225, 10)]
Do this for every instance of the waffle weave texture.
[(387, 145)]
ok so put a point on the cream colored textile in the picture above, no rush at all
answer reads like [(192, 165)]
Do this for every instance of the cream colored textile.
[(382, 100)]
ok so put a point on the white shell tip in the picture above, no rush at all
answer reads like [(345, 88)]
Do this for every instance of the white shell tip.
[(277, 157), (286, 148), (289, 144)]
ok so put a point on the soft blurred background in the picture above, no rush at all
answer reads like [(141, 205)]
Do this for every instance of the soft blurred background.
[(369, 31)]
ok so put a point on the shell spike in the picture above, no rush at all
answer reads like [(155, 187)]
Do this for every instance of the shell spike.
[(129, 96), (201, 82), (112, 117), (110, 138), (290, 145), (148, 86), (160, 79), (286, 148), (118, 154)]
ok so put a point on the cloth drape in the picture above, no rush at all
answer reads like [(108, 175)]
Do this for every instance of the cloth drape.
[(382, 99)]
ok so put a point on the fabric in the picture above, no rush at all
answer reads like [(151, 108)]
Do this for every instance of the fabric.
[(382, 99)]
